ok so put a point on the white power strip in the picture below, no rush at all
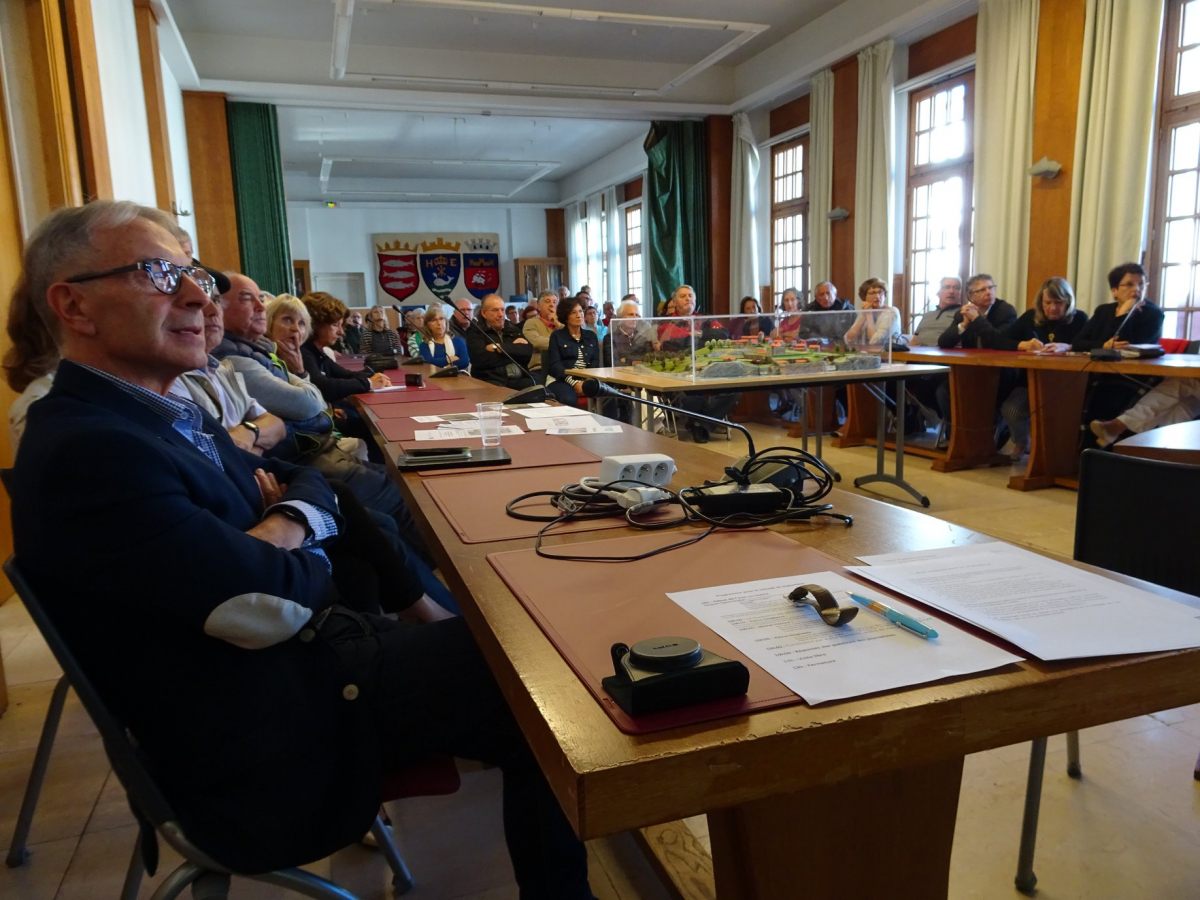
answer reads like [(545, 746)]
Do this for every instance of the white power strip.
[(648, 468)]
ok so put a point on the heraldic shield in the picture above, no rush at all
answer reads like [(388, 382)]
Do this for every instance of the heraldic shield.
[(398, 274), (483, 274), (440, 267)]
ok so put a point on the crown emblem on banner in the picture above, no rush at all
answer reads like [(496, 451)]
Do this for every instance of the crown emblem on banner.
[(481, 245), (440, 244), (395, 245)]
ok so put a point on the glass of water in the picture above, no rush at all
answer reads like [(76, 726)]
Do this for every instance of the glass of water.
[(491, 417)]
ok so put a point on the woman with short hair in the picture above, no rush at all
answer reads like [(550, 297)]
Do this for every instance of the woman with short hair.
[(571, 347), (334, 382), (877, 323)]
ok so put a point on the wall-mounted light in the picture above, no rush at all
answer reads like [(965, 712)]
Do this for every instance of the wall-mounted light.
[(1045, 168), (839, 214)]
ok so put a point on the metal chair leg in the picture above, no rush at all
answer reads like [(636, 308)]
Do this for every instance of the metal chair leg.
[(1026, 881), (305, 883), (17, 852), (133, 874), (211, 886), (174, 883), (1074, 770), (402, 880)]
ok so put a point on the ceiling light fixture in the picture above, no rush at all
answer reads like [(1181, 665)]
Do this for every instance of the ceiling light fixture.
[(343, 19)]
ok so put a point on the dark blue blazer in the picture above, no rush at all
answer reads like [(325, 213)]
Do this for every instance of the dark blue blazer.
[(563, 352), (131, 537)]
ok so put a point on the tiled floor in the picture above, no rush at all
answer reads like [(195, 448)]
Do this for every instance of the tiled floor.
[(1129, 830)]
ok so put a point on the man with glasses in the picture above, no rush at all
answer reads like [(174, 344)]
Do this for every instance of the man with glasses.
[(460, 321), (984, 313), (200, 588)]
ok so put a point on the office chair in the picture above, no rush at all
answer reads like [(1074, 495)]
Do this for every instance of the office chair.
[(209, 879), (1162, 556)]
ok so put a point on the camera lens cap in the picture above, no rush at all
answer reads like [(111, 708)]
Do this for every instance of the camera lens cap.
[(665, 654)]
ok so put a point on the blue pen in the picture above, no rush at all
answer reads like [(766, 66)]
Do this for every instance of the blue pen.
[(908, 623)]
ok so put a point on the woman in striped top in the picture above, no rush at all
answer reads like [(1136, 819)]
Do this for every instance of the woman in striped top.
[(571, 347), (376, 336)]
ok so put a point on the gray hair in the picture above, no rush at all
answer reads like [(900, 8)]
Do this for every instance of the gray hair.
[(625, 304), (282, 303), (553, 295), (62, 246)]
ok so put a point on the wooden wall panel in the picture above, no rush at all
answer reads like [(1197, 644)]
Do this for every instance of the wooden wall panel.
[(942, 47), (156, 104), (56, 115), (212, 179), (845, 164), (1055, 101), (556, 232), (89, 112), (718, 135), (632, 190), (791, 115)]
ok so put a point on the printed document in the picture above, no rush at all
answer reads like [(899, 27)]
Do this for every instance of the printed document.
[(538, 412), (459, 434), (585, 428), (1051, 610), (545, 423), (821, 662)]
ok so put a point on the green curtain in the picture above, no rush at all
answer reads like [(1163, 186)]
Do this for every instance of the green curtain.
[(258, 195), (675, 210)]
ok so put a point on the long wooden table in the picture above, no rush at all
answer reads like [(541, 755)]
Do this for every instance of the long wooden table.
[(1171, 443), (791, 794), (1056, 393)]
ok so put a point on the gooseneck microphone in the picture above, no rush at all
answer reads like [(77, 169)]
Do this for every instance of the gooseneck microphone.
[(594, 388), (1104, 354), (535, 393)]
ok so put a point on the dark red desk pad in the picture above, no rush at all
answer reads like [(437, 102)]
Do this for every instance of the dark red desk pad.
[(403, 428), (536, 448), (409, 395), (474, 503), (433, 406), (584, 608)]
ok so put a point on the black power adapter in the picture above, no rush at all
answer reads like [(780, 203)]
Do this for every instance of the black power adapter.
[(722, 500)]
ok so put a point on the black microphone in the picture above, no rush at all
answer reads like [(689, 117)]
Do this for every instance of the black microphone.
[(594, 388), (535, 393), (1104, 354)]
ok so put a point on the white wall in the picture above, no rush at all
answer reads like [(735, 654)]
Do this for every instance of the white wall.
[(128, 131), (624, 163), (180, 166), (339, 240)]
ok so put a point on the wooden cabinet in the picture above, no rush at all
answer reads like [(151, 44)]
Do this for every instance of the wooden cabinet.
[(540, 273)]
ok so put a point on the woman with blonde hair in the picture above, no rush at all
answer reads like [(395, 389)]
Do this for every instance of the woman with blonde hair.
[(377, 337), (289, 326), (441, 348)]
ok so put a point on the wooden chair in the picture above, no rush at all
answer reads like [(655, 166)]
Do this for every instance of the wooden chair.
[(209, 880), (1163, 556)]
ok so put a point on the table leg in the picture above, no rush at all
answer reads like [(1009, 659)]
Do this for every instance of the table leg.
[(973, 414), (820, 392), (1055, 401), (881, 444), (857, 428), (885, 835)]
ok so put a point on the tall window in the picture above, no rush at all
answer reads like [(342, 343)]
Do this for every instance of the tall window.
[(1175, 223), (940, 204), (789, 218), (633, 253)]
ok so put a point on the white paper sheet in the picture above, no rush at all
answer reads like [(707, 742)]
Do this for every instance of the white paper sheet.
[(907, 556), (1051, 610), (538, 412), (547, 422), (394, 387), (451, 417), (584, 429), (459, 434), (822, 663)]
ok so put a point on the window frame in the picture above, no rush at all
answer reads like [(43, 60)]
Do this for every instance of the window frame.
[(786, 209), (1174, 111), (632, 250), (929, 173)]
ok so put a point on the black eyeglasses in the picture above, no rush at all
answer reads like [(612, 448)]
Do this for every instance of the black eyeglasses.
[(164, 275)]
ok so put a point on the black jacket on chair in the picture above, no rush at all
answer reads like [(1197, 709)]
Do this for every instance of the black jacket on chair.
[(142, 559)]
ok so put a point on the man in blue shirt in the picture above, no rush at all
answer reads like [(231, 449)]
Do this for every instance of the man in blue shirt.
[(200, 585)]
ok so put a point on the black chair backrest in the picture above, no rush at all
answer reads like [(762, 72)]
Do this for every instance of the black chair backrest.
[(143, 793), (1135, 516)]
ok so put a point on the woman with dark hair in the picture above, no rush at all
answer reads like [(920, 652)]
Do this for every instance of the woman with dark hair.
[(753, 323), (571, 347), (377, 337), (877, 323), (334, 382)]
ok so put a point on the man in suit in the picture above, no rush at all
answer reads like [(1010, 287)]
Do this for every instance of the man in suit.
[(497, 348), (199, 584), (983, 314)]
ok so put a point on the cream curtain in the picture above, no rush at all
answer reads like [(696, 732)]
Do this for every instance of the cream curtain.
[(1109, 190), (1006, 55), (873, 177), (820, 176), (577, 259), (595, 247), (615, 283), (743, 234)]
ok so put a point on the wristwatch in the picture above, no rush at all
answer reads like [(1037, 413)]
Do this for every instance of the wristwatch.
[(290, 512), (253, 428)]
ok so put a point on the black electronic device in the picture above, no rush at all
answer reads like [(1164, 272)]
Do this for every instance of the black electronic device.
[(665, 673), (463, 457), (447, 372), (413, 380), (431, 452), (535, 393), (740, 499)]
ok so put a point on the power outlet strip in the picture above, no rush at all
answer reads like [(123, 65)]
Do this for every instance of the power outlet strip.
[(649, 468)]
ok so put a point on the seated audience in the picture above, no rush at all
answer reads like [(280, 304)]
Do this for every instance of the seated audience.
[(752, 323), (563, 292), (239, 689), (632, 336), (937, 320), (377, 336), (975, 322), (788, 314), (334, 382), (1172, 401), (680, 335), (530, 312), (1051, 325), (460, 320), (414, 331), (510, 313), (537, 331), (1129, 319), (351, 341), (827, 328), (440, 347), (591, 321), (571, 347), (497, 349), (876, 323), (609, 311)]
